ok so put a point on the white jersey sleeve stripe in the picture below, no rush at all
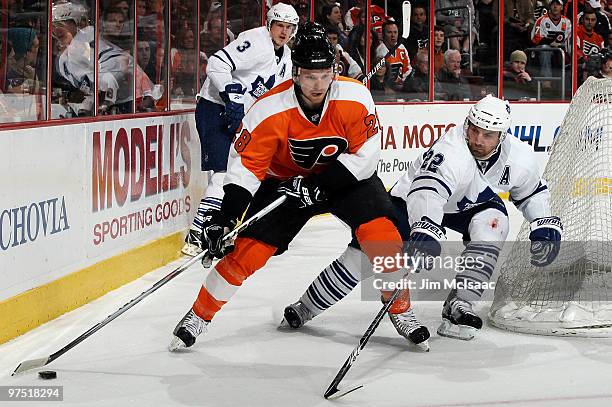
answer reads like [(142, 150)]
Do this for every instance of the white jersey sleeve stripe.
[(446, 187), (422, 189), (518, 202), (229, 58), (363, 163), (223, 60)]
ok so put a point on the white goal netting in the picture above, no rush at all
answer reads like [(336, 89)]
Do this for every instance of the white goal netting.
[(572, 296)]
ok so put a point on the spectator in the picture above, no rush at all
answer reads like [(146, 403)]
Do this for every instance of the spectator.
[(588, 41), (21, 76), (606, 66), (439, 48), (453, 86), (456, 22), (332, 16), (417, 85), (551, 30), (379, 87), (356, 49), (602, 27), (242, 16), (419, 31), (518, 22), (398, 64), (517, 81), (345, 64), (213, 36)]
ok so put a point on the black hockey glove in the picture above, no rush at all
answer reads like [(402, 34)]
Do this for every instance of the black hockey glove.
[(545, 239), (302, 192), (215, 226), (233, 97), (424, 245)]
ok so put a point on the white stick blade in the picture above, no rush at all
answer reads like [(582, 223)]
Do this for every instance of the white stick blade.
[(406, 13), (30, 364)]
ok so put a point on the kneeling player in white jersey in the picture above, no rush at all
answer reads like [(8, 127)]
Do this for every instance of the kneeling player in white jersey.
[(452, 185), (237, 75)]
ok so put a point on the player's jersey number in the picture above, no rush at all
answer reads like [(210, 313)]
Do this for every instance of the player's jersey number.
[(242, 140), (432, 161), (243, 46)]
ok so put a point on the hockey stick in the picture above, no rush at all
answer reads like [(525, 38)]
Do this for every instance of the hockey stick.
[(406, 11), (36, 363), (332, 390)]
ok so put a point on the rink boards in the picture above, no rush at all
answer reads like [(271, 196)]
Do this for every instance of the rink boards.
[(90, 206)]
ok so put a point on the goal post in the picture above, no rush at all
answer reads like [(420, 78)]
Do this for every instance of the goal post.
[(572, 296)]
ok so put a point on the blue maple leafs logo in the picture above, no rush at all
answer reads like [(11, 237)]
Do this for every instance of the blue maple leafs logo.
[(259, 87), (485, 196)]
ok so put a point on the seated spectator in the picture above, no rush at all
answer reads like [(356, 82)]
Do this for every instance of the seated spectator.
[(417, 85), (345, 64), (379, 87), (439, 48), (398, 64), (419, 31), (453, 86), (588, 43), (356, 48), (184, 64), (456, 23), (517, 81), (551, 30), (606, 66), (21, 74), (602, 27)]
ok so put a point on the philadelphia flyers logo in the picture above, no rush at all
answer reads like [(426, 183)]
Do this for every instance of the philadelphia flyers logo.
[(321, 150)]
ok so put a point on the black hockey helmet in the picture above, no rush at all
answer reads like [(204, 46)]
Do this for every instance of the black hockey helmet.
[(312, 49)]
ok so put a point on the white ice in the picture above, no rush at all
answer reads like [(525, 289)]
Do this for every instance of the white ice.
[(245, 360)]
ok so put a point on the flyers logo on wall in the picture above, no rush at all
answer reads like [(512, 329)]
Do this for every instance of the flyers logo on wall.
[(140, 172)]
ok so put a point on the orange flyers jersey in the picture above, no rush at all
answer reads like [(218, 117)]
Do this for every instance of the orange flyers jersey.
[(398, 64), (588, 44), (277, 140)]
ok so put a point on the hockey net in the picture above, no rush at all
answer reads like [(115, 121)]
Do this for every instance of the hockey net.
[(572, 296)]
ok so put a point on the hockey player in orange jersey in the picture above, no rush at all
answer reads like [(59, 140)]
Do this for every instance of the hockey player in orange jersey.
[(314, 139)]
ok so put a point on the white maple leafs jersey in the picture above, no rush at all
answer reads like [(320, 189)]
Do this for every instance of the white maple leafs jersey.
[(447, 179), (249, 60)]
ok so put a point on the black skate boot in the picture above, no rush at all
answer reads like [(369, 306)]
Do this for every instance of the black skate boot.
[(407, 325), (459, 320), (187, 330), (297, 314)]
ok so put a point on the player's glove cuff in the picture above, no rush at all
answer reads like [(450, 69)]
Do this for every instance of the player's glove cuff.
[(545, 239)]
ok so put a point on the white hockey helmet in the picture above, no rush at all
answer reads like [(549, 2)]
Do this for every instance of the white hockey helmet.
[(491, 113), (284, 13), (65, 11)]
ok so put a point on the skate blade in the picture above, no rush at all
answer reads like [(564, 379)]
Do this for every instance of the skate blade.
[(176, 345), (462, 332), (191, 250)]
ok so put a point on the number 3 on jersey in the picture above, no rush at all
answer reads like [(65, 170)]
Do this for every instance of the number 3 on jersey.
[(244, 46), (432, 161)]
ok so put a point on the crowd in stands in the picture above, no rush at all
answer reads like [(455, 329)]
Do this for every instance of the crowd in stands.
[(162, 71)]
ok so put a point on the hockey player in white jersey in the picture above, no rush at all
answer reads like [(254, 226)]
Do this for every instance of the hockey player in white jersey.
[(237, 75), (453, 185)]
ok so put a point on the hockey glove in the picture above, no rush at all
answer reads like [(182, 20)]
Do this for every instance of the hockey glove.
[(233, 97), (215, 226), (545, 239), (302, 192), (424, 245)]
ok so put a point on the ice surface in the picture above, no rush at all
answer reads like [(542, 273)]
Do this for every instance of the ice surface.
[(245, 360)]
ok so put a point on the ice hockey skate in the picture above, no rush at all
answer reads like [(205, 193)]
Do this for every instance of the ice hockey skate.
[(187, 330), (192, 244), (296, 315), (407, 325), (459, 320)]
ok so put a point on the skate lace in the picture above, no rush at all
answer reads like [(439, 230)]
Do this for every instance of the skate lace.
[(461, 307), (407, 320), (193, 323)]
